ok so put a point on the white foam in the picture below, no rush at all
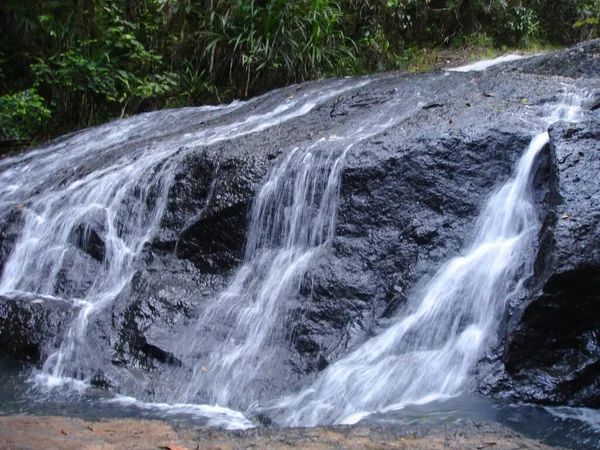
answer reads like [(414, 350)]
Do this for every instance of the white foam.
[(487, 63), (215, 415), (588, 416), (47, 382)]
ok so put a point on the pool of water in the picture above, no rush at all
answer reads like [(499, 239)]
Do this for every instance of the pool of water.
[(577, 428)]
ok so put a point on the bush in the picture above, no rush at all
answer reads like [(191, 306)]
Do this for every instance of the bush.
[(93, 61), (22, 115), (589, 22), (260, 44)]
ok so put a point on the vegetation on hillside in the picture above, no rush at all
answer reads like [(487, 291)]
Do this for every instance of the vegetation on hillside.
[(68, 64)]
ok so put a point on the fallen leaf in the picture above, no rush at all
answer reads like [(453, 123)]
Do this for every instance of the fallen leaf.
[(63, 432), (172, 447), (21, 205), (204, 369), (333, 136), (565, 216), (524, 100)]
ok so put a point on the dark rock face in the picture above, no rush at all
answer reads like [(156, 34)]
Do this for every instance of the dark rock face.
[(395, 227), (29, 324), (9, 232), (576, 62), (553, 351), (408, 200)]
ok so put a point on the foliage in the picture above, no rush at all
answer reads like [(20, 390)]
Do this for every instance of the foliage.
[(589, 21), (275, 41), (89, 61), (22, 115)]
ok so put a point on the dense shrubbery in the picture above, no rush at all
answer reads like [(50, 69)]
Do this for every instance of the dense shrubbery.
[(22, 116), (69, 64)]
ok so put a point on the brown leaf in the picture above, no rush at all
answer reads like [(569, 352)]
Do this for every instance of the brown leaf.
[(565, 216), (172, 447), (63, 432)]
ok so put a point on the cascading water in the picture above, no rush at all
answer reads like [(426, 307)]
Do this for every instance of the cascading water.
[(60, 203), (430, 351), (292, 220)]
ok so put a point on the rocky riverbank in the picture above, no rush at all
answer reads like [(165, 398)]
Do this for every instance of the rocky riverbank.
[(49, 433)]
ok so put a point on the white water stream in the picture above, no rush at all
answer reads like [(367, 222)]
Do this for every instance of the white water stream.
[(127, 198), (292, 219), (432, 349)]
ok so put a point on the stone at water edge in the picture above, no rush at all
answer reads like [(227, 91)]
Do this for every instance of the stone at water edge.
[(41, 433)]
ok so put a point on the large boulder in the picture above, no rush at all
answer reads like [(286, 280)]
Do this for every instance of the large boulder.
[(408, 200), (552, 352), (29, 325)]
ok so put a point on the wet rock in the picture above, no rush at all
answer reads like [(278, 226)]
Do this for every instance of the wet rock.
[(89, 236), (397, 225), (408, 200), (77, 275), (29, 324), (553, 348), (581, 61), (12, 221)]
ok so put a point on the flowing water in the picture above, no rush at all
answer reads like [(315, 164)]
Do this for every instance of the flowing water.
[(127, 197), (292, 220), (429, 352), (432, 349), (427, 355)]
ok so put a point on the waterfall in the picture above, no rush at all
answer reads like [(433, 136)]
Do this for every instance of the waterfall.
[(292, 220), (428, 353), (431, 350), (123, 201)]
